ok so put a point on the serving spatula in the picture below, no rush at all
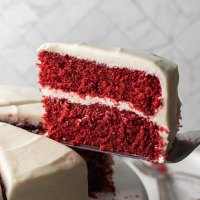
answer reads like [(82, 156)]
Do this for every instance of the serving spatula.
[(184, 144)]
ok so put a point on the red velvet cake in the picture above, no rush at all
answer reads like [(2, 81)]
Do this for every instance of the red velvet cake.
[(114, 99), (21, 107)]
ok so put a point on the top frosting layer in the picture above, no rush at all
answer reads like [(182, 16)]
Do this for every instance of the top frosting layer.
[(165, 70), (28, 171), (13, 95), (141, 60)]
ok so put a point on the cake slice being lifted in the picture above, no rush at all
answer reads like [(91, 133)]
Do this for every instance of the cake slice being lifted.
[(35, 167), (114, 99)]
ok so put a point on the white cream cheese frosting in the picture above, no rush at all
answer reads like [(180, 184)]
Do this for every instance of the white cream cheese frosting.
[(35, 167), (14, 95), (165, 70)]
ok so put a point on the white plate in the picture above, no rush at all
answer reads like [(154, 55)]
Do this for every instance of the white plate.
[(127, 183)]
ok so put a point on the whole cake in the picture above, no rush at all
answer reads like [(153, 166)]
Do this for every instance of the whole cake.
[(27, 114), (35, 167), (113, 99)]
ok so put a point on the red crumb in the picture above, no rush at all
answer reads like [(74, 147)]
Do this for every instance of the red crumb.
[(107, 128), (161, 167), (162, 129), (71, 74)]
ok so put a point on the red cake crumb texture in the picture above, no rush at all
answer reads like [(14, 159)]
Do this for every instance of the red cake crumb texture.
[(161, 167), (102, 126), (71, 74)]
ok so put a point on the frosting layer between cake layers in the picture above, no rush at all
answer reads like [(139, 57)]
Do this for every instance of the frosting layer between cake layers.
[(167, 104), (28, 172)]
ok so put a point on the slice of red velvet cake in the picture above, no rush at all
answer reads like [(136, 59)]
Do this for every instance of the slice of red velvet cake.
[(114, 99)]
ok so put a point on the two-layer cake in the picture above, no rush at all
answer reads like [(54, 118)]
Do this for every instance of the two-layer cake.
[(110, 98)]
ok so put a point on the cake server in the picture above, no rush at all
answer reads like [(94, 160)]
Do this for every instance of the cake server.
[(184, 144)]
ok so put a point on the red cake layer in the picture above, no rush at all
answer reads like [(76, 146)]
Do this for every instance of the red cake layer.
[(84, 77), (107, 128)]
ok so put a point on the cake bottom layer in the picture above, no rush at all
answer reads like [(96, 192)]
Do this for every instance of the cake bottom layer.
[(104, 127)]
